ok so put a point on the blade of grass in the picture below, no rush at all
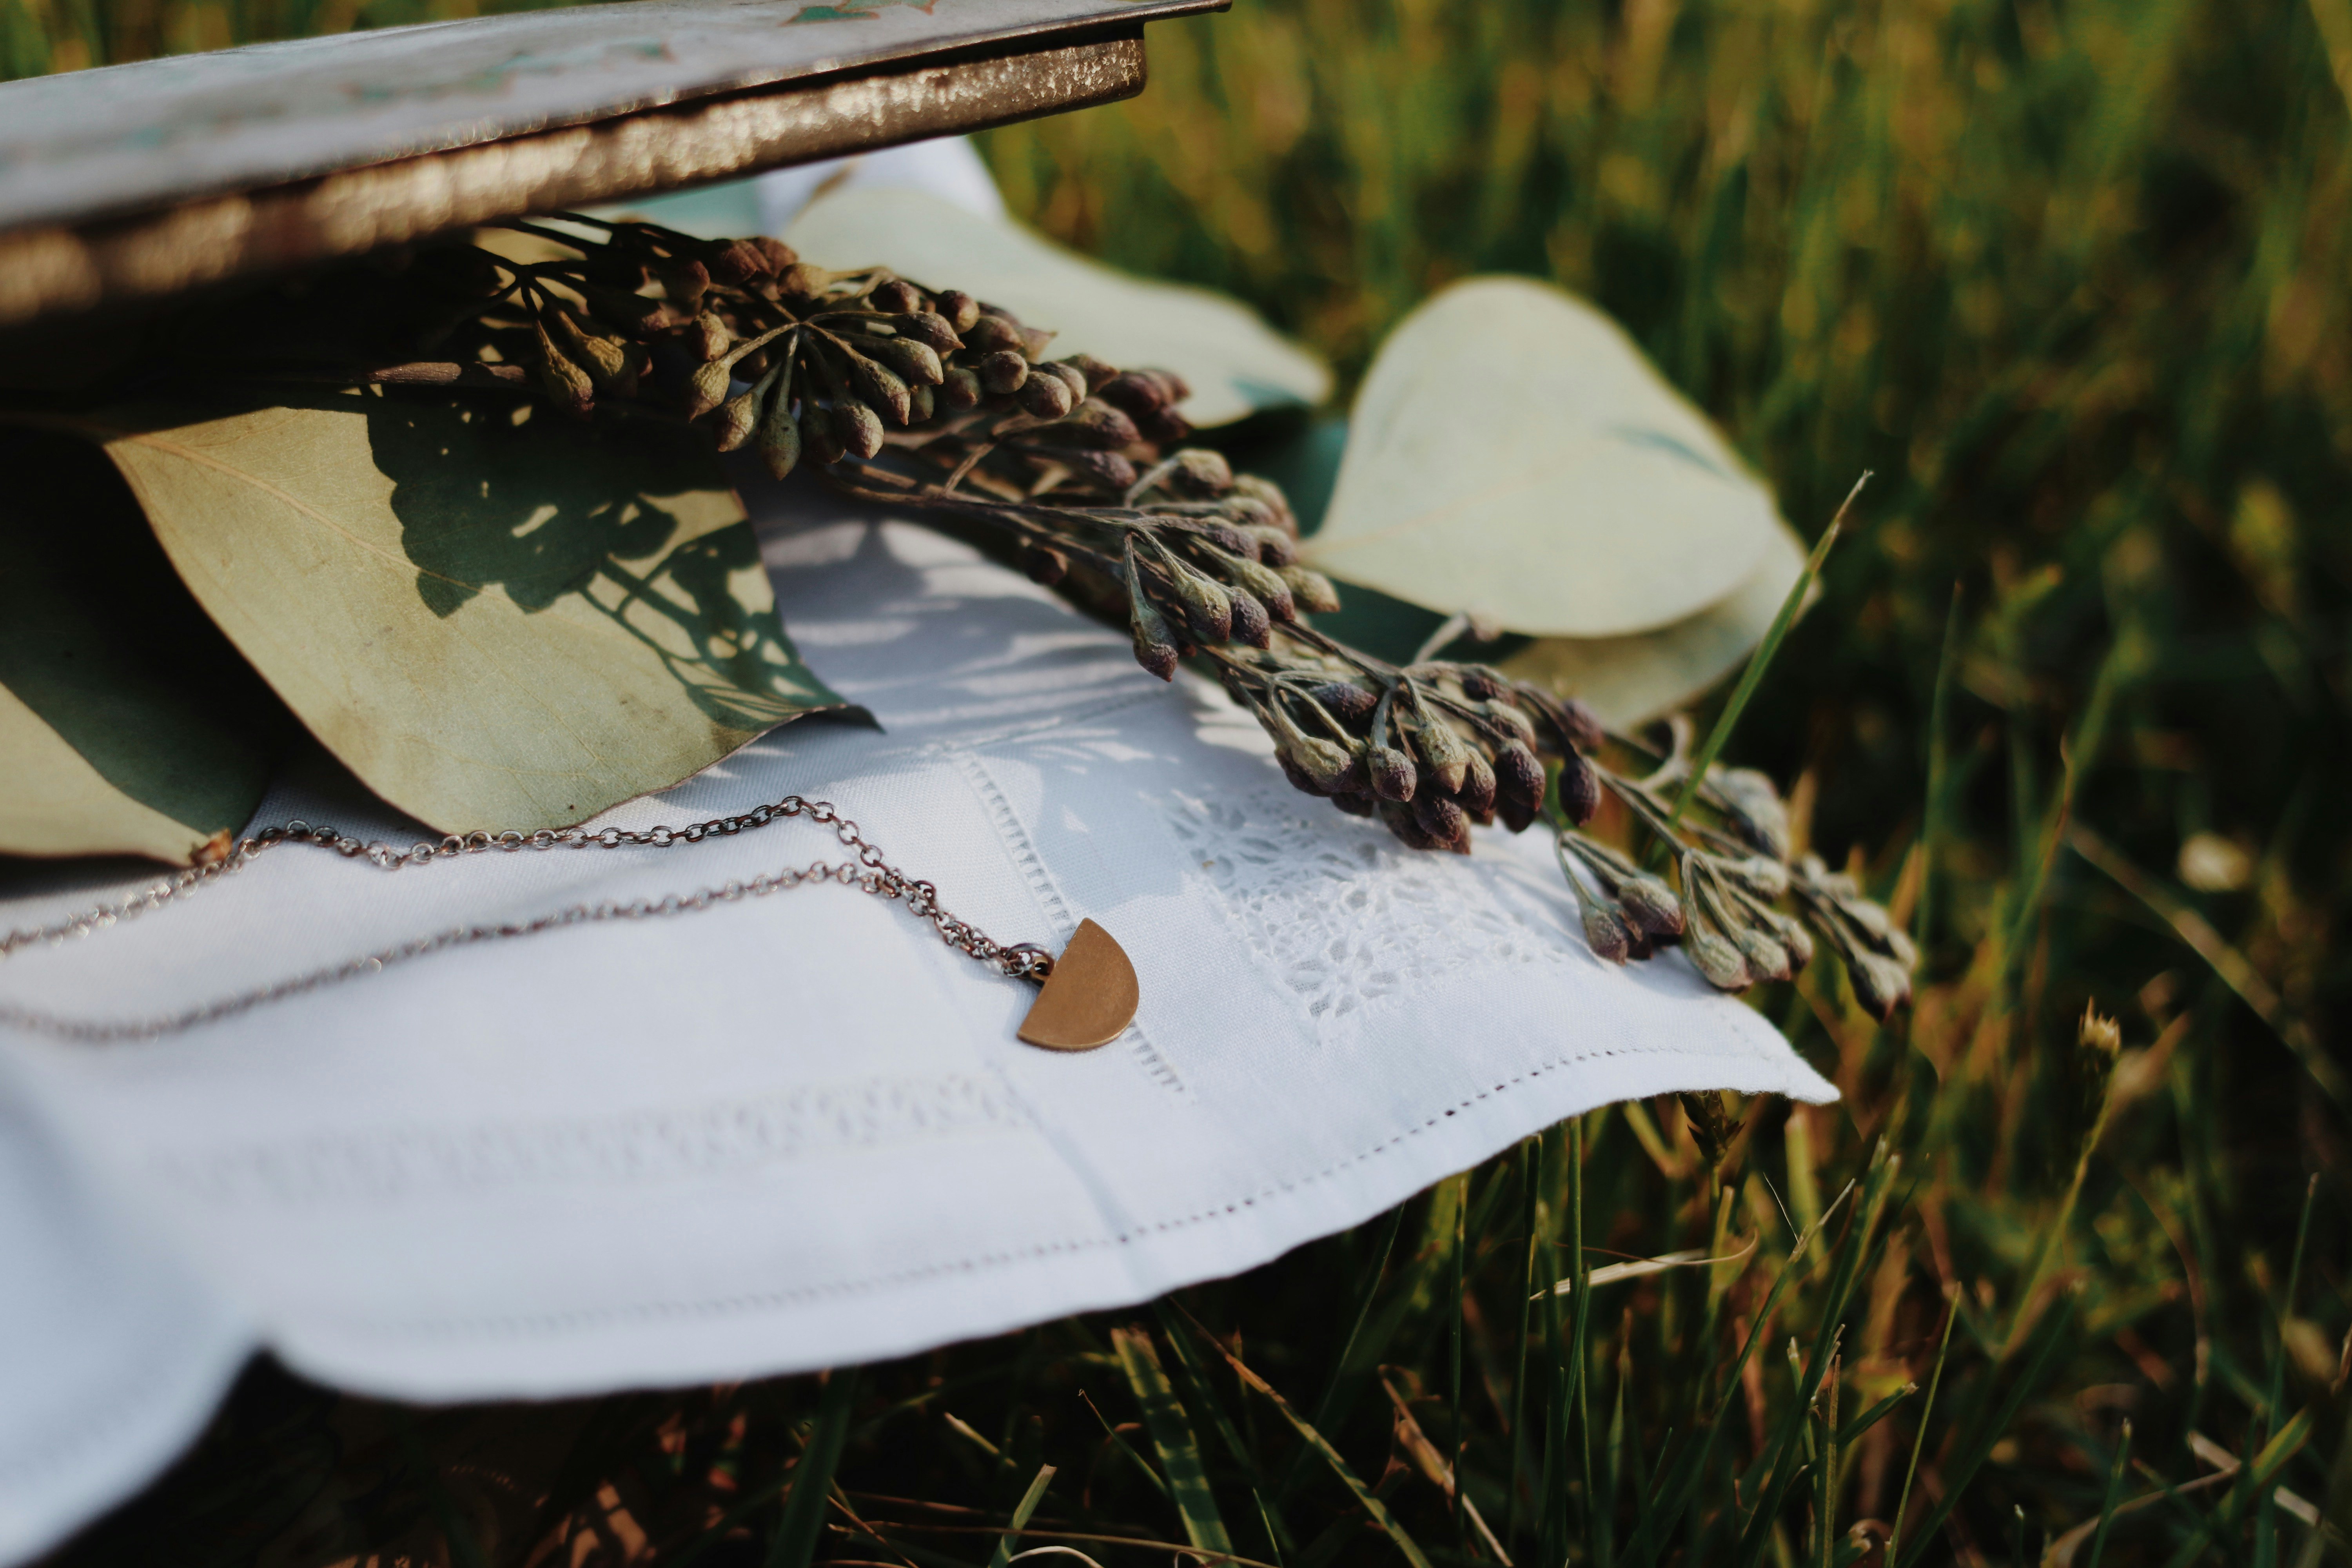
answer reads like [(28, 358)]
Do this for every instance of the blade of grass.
[(1199, 1395), (2114, 1487), (1530, 1150), (1578, 1357), (1172, 1433), (1316, 1441), (1328, 1403), (794, 1543), (1456, 1287), (1919, 1438), (1762, 658), (1939, 765), (1118, 1441)]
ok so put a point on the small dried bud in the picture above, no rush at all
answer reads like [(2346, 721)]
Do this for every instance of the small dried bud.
[(1444, 755), (1297, 777), (1579, 789), (1606, 933), (1046, 396), (1072, 377), (607, 360), (1477, 791), (993, 335), (707, 388), (740, 262), (1651, 906), (1139, 393), (1324, 762), (880, 386), (917, 362), (1268, 494), (1207, 608), (1094, 424), (1718, 960), (1441, 818), (1097, 372), (960, 388), (1155, 640), (1164, 427), (1197, 471), (1400, 821), (1880, 984), (1481, 684), (960, 309), (929, 328), (737, 418), (1393, 776), (823, 447), (1046, 567), (1347, 702), (802, 281), (780, 439), (1103, 470), (1755, 809), (1262, 584), (1356, 804), (1764, 877), (1578, 724), (1710, 1128), (1511, 718), (1766, 958), (1518, 775), (1274, 547), (920, 405), (1034, 341), (1310, 590), (897, 296), (568, 386), (858, 427), (709, 337), (1249, 622)]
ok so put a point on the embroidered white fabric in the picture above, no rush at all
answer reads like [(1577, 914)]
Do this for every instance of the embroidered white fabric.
[(796, 1130)]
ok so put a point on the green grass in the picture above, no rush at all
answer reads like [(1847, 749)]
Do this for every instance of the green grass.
[(2072, 279)]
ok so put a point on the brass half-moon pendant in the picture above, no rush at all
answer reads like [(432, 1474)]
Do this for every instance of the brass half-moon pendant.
[(1089, 999)]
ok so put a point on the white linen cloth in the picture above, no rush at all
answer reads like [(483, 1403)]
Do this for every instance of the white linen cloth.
[(792, 1132)]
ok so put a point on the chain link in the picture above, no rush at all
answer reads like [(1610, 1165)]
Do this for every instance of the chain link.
[(869, 872)]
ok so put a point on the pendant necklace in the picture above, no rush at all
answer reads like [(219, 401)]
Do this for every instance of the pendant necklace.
[(1085, 998)]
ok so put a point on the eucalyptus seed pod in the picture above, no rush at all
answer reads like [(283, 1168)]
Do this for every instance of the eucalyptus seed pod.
[(608, 361), (1093, 424), (736, 419), (1197, 471), (1072, 377), (929, 328), (1298, 779), (1357, 803), (1578, 724), (880, 387), (707, 388), (738, 262), (1477, 791), (1718, 960), (918, 364), (1756, 809), (1208, 609), (780, 255), (960, 309), (1400, 821), (685, 281), (921, 404), (780, 437), (1103, 470), (1155, 640), (802, 281), (1164, 427), (1795, 937), (1579, 789), (1605, 932), (1441, 818), (897, 296), (1765, 957), (1224, 536), (1347, 702), (824, 448), (993, 335), (1310, 590), (1651, 906), (1765, 878), (1097, 372), (1046, 567), (1324, 762), (1136, 391), (1268, 494), (1249, 622), (1274, 547), (1262, 584), (1518, 775), (1393, 776), (1034, 341), (1516, 815), (1511, 718), (1880, 984), (568, 387), (709, 337), (858, 427), (1480, 684), (1444, 755), (1046, 396), (960, 388)]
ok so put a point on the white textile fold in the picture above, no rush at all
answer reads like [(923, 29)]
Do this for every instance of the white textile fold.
[(796, 1130)]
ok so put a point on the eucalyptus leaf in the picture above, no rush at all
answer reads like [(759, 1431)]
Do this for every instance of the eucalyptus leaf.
[(1236, 364), (1627, 679), (128, 725), (496, 617), (1513, 455)]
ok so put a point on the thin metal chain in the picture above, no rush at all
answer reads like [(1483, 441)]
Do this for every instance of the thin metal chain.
[(869, 872)]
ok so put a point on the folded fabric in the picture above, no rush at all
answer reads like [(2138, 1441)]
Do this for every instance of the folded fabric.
[(787, 1132)]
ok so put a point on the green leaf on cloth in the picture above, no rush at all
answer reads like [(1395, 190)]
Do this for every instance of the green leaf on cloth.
[(496, 618)]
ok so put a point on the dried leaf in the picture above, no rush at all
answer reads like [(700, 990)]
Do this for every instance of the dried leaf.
[(1627, 679), (127, 724), (1513, 456), (495, 621), (1235, 363)]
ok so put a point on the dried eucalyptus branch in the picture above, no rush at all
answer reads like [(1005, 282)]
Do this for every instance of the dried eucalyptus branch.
[(932, 399)]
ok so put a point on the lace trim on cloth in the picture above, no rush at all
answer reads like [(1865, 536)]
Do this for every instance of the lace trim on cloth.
[(645, 1146)]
